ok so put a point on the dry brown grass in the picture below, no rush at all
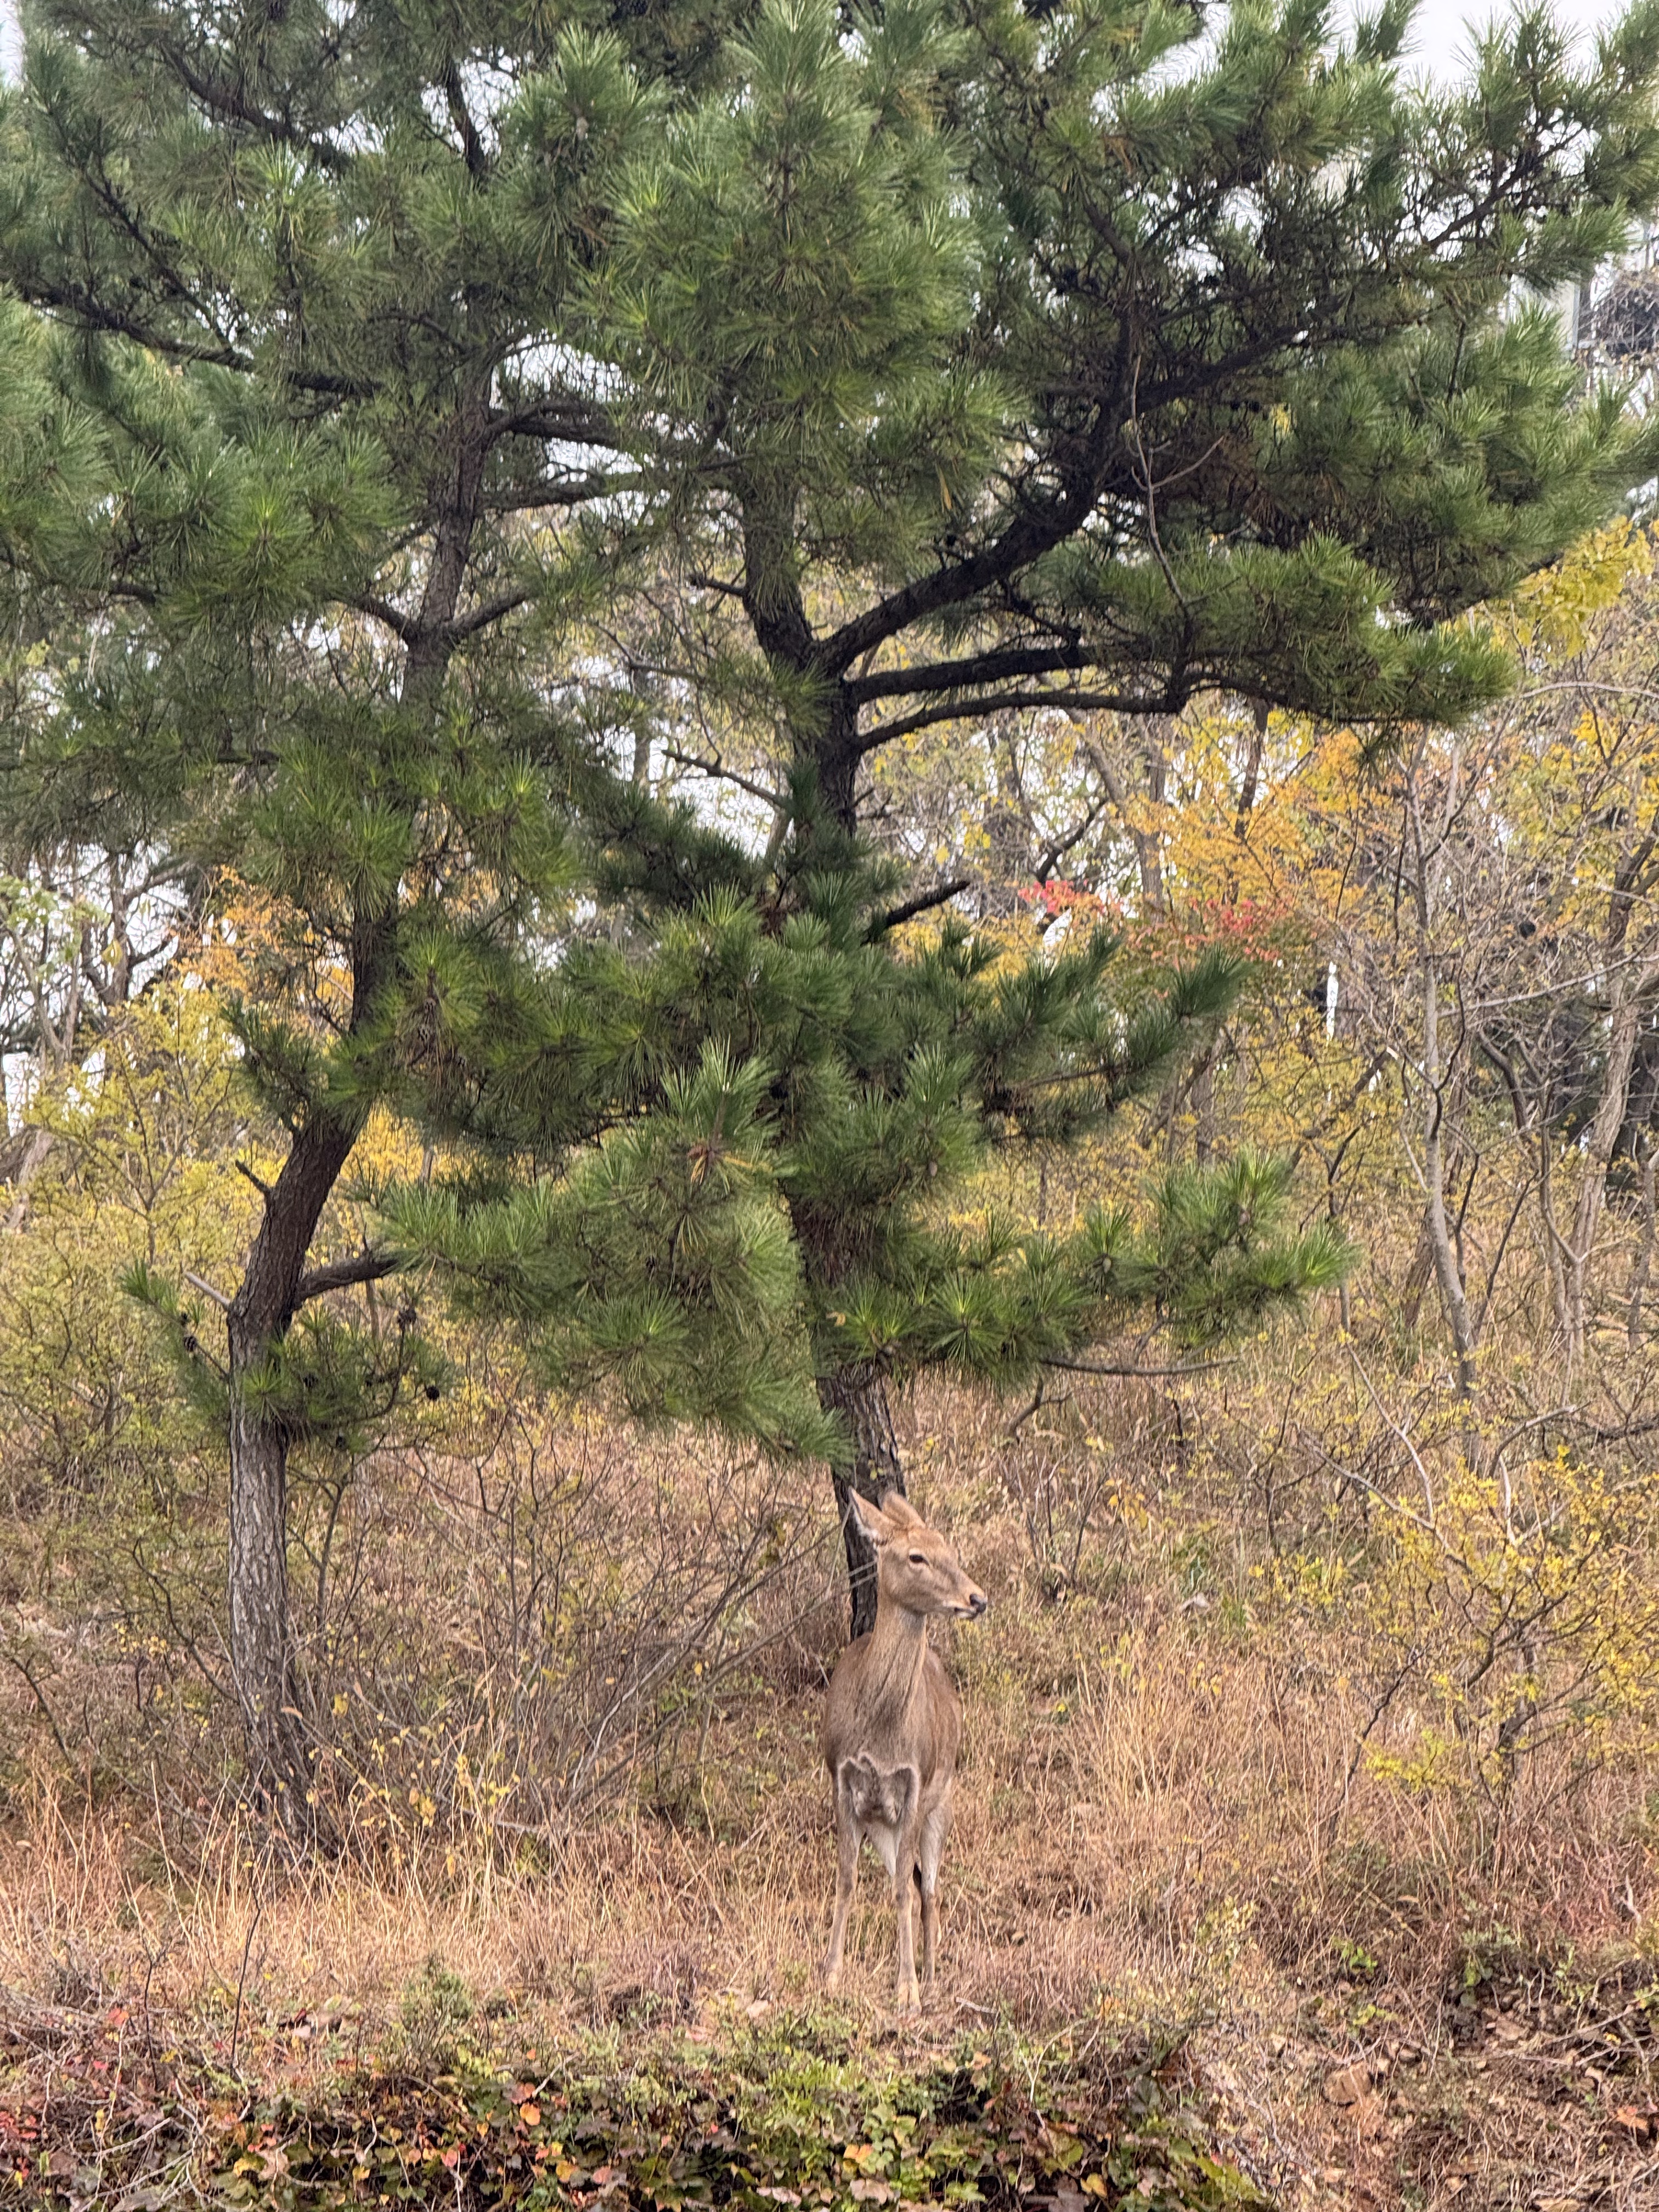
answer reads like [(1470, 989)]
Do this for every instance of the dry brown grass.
[(1160, 1829)]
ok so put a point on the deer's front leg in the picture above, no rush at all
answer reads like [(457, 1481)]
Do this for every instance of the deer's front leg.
[(847, 1872)]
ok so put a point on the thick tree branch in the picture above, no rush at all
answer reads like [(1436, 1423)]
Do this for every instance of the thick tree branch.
[(400, 624), (1034, 531), (225, 100), (487, 612), (473, 150), (1168, 702), (370, 1267), (552, 423), (996, 667), (923, 902)]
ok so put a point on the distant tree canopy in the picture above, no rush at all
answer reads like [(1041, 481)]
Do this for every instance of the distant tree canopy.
[(414, 412)]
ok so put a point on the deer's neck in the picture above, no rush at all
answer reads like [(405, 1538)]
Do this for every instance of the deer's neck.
[(892, 1674)]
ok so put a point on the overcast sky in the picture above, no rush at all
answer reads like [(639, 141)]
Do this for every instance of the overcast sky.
[(1439, 37)]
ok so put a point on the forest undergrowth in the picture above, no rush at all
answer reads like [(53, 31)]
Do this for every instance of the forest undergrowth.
[(1220, 1813)]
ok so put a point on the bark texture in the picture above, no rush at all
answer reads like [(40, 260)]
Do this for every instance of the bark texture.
[(263, 1656), (858, 1396)]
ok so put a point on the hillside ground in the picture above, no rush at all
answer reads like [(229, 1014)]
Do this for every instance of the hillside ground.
[(1178, 1845)]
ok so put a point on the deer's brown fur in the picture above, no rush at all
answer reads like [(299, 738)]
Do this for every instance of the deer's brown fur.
[(892, 1728)]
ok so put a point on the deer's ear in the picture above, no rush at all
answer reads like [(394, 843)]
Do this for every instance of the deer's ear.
[(871, 1518)]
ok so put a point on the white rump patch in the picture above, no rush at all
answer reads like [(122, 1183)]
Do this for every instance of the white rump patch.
[(879, 1799)]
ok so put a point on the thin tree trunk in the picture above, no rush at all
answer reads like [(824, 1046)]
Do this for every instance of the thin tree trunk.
[(1640, 1272), (1448, 1273), (35, 1156), (263, 1656), (1554, 1242), (1603, 1136), (858, 1395), (1202, 1098)]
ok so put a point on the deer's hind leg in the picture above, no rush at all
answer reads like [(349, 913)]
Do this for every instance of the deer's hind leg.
[(848, 1836), (931, 1846)]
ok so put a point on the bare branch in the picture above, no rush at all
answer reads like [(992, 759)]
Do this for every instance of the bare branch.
[(257, 1180), (481, 616), (716, 767), (960, 709), (912, 907), (369, 1266)]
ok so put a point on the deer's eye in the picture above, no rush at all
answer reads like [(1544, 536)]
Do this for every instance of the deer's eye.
[(918, 1558)]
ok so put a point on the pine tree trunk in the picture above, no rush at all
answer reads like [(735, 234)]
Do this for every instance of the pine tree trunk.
[(858, 1396), (265, 1660)]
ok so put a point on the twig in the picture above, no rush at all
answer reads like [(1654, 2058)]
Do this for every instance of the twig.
[(1422, 1472), (1095, 1367), (200, 1283), (242, 1982), (717, 768), (22, 1668)]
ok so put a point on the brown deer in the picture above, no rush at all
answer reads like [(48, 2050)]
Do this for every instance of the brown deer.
[(892, 1728)]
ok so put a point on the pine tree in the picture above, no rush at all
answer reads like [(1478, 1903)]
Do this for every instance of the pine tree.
[(1102, 353), (293, 426), (879, 1075)]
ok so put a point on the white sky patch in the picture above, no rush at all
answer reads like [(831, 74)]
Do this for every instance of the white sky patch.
[(1441, 40)]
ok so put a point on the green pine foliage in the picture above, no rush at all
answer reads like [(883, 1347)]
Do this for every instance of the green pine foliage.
[(1107, 352), (295, 433), (862, 1076)]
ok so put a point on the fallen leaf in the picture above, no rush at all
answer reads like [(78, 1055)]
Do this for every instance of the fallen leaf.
[(1347, 2085)]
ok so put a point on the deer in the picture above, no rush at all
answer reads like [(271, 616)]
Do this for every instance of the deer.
[(891, 1730)]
